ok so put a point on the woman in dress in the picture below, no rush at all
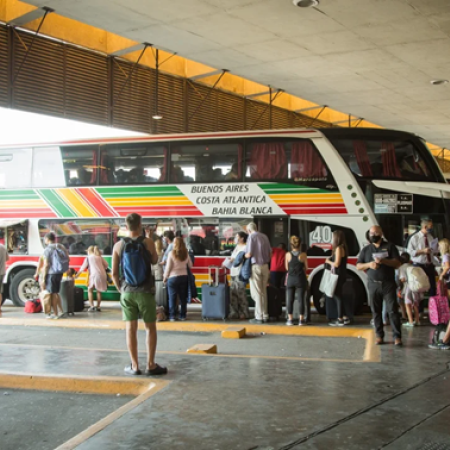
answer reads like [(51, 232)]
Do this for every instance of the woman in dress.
[(296, 283), (338, 262), (238, 296), (176, 278), (96, 266)]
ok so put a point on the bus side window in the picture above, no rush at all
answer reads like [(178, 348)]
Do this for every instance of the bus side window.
[(48, 170), (80, 165), (132, 164), (15, 168), (206, 161)]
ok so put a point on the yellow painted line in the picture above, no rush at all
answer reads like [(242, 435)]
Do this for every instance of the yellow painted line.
[(76, 203), (74, 383), (371, 354), (77, 440), (368, 355)]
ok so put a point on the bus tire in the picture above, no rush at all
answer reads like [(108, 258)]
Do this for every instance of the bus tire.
[(23, 287), (357, 288)]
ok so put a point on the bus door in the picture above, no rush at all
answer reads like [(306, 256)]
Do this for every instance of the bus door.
[(276, 229)]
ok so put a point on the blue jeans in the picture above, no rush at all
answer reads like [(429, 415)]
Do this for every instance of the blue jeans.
[(177, 286)]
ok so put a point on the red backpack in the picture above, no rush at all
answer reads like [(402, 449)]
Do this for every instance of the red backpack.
[(33, 306)]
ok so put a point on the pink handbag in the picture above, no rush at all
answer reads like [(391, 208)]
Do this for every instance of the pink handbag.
[(438, 309)]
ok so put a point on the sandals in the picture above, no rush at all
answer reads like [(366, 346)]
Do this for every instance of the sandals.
[(158, 370)]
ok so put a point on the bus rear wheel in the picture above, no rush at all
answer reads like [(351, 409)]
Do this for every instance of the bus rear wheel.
[(353, 288), (24, 287)]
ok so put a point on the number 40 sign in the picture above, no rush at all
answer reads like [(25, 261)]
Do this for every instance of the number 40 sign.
[(321, 236)]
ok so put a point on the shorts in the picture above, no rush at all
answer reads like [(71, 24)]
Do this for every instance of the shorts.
[(53, 283), (138, 303), (413, 298)]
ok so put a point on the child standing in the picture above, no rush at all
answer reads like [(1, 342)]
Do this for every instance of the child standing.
[(411, 297), (96, 266)]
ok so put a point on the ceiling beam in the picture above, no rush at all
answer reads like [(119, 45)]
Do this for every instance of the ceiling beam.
[(208, 74), (30, 16), (133, 48), (311, 108)]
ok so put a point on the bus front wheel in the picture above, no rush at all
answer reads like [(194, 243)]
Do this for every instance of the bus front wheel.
[(23, 287)]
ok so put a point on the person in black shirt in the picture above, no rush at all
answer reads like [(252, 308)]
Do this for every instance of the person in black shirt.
[(381, 285)]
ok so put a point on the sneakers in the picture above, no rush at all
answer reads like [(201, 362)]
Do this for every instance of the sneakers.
[(50, 316), (289, 323), (439, 346), (130, 371), (256, 321), (409, 324), (347, 321), (302, 323), (336, 323)]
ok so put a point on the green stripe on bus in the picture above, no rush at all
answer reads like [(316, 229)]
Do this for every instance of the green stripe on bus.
[(28, 194), (280, 188), (55, 202)]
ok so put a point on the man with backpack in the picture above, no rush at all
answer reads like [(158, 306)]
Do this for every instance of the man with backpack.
[(132, 276), (419, 247), (56, 263)]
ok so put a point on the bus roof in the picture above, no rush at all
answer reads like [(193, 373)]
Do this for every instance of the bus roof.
[(312, 132)]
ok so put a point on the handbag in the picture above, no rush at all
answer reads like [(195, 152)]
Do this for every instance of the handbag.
[(329, 282)]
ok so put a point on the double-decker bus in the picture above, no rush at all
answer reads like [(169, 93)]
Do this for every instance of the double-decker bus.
[(206, 187)]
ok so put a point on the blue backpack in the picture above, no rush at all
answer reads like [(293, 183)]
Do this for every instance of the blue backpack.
[(135, 262), (59, 259)]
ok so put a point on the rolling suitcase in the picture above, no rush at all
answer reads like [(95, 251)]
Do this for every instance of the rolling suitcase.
[(66, 293), (215, 297), (161, 296), (78, 296), (274, 302)]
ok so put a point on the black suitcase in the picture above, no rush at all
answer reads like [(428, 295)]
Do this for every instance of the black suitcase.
[(78, 297), (66, 292), (162, 296), (215, 297), (274, 302)]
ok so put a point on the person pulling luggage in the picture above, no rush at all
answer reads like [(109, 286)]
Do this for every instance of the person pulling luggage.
[(380, 259)]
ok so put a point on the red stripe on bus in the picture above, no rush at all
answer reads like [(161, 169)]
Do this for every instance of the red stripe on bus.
[(316, 211), (21, 214), (97, 202), (311, 205)]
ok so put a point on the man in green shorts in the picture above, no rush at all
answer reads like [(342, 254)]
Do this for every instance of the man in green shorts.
[(134, 256)]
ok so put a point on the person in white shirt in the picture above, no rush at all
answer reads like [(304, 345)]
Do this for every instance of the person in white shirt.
[(422, 254), (3, 258), (238, 296)]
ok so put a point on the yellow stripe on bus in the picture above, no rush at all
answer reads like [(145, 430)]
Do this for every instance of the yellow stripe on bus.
[(76, 203), (149, 202), (279, 197), (23, 204)]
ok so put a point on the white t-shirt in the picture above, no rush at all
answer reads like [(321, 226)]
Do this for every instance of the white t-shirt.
[(234, 271), (3, 258)]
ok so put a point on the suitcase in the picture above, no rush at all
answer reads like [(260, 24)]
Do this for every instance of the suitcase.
[(66, 293), (274, 302), (162, 296), (215, 297), (438, 309), (78, 296)]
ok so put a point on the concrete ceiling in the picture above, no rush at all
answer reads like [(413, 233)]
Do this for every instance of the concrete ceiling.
[(372, 58)]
